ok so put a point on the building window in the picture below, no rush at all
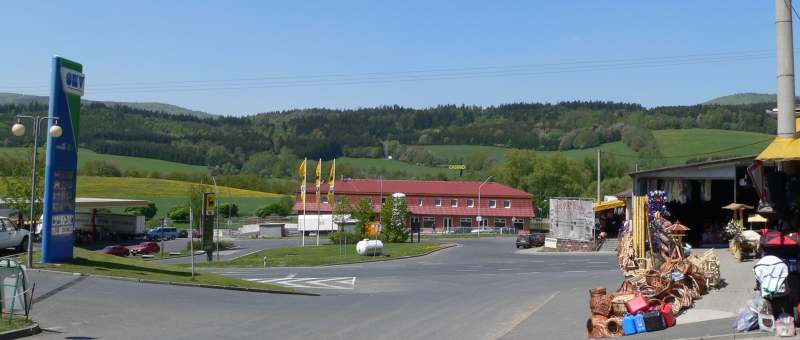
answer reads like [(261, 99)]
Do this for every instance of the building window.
[(507, 204), (437, 202), (454, 203), (325, 199), (484, 222), (383, 200), (419, 202), (470, 203), (448, 222), (414, 222), (428, 222), (492, 204), (466, 222), (499, 222), (518, 223)]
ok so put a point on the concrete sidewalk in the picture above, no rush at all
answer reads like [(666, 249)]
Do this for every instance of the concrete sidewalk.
[(713, 315), (737, 288)]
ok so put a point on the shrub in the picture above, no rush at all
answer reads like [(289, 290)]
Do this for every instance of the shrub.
[(227, 210), (101, 168), (346, 237), (277, 208), (223, 245), (148, 212), (179, 213)]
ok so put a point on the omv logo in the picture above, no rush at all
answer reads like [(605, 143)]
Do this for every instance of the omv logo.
[(72, 81)]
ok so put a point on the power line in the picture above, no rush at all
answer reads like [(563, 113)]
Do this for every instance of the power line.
[(424, 75)]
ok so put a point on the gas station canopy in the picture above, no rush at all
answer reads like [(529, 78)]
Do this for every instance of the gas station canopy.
[(107, 203)]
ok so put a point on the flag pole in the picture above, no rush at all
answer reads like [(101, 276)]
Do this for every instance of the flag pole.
[(303, 196), (319, 166)]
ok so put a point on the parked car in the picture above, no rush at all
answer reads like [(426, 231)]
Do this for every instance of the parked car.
[(166, 233), (145, 248), (183, 233), (116, 251), (11, 236), (531, 240)]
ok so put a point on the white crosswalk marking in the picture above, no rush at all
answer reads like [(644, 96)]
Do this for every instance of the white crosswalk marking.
[(348, 282)]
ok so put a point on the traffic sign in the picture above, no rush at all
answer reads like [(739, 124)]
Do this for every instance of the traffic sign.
[(210, 202)]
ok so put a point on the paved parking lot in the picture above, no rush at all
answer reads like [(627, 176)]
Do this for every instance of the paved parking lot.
[(481, 289)]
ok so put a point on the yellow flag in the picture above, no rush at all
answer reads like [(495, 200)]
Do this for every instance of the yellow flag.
[(318, 172), (302, 172), (331, 182)]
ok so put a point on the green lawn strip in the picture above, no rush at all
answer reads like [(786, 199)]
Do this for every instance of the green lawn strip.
[(325, 255), (94, 263), (18, 322)]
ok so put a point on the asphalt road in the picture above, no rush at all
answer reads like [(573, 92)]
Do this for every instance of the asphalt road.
[(481, 289)]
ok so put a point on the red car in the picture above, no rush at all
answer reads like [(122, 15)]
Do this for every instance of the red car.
[(116, 250), (145, 248)]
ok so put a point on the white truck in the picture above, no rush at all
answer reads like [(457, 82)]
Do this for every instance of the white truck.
[(122, 225), (12, 236)]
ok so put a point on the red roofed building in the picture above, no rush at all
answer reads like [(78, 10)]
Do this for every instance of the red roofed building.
[(440, 204)]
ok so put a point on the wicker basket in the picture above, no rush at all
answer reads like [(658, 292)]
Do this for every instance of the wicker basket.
[(618, 303)]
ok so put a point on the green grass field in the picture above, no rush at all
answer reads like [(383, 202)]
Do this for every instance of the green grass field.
[(455, 152), (395, 165), (167, 193), (122, 162), (677, 144), (325, 255)]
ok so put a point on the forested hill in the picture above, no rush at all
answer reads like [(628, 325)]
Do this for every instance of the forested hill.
[(370, 132), (24, 99)]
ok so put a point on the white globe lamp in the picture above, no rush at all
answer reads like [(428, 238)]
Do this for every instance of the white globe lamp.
[(18, 129), (56, 131)]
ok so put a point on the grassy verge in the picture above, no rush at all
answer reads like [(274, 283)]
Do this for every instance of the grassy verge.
[(93, 263), (17, 322), (325, 255)]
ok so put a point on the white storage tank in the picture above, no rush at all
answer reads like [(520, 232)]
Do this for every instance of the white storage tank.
[(369, 247)]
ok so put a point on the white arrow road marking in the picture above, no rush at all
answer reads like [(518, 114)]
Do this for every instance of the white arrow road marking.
[(311, 282)]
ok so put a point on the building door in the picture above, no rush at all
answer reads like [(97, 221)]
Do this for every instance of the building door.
[(519, 224), (414, 222), (448, 223)]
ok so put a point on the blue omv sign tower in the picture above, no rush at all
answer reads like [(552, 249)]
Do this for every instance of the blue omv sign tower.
[(58, 222)]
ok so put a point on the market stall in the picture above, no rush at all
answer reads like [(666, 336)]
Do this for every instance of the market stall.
[(662, 279)]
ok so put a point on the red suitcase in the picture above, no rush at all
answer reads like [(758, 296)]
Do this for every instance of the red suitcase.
[(666, 311), (637, 304)]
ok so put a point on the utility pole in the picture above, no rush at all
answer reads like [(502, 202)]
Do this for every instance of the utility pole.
[(785, 62), (599, 159)]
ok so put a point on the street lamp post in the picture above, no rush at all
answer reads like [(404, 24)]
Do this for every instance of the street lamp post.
[(480, 218), (18, 130)]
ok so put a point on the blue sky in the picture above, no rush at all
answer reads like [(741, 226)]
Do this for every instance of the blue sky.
[(162, 50)]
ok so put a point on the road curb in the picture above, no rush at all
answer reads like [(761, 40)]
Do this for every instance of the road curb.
[(21, 333), (538, 252), (198, 285), (382, 259)]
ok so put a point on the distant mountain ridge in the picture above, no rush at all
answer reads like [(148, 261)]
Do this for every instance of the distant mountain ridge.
[(745, 98), (16, 98)]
